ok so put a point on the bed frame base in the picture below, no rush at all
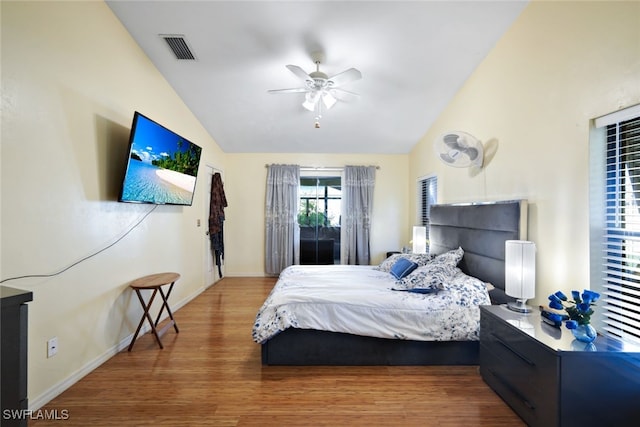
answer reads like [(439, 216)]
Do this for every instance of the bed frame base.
[(301, 347), (481, 229)]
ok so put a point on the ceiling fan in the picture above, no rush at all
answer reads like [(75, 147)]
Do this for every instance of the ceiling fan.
[(319, 89)]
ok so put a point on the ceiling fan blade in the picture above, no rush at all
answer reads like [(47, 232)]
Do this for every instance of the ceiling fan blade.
[(328, 100), (346, 76), (292, 90), (300, 73), (343, 95)]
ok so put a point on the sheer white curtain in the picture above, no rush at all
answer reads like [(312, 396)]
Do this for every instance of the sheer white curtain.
[(282, 230), (357, 203)]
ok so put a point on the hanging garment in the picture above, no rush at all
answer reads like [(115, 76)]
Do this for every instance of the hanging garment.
[(216, 219)]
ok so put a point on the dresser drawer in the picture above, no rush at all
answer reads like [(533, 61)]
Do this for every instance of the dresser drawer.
[(497, 333), (529, 391), (521, 370), (523, 373), (520, 403)]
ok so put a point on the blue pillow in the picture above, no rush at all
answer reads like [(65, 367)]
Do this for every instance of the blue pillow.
[(402, 268)]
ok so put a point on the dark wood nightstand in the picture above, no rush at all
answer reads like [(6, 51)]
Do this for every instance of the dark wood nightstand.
[(13, 356), (550, 379)]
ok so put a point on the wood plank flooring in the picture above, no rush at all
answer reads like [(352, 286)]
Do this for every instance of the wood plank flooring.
[(210, 374)]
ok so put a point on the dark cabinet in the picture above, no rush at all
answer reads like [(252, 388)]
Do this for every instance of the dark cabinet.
[(13, 356), (550, 379)]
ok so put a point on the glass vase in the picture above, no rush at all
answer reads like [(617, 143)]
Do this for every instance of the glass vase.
[(584, 333)]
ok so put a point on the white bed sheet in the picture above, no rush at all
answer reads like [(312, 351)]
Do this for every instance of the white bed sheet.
[(359, 300)]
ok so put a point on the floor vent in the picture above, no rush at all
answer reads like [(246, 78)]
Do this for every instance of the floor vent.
[(179, 46)]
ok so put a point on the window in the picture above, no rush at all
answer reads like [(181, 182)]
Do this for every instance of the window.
[(319, 219), (320, 201), (619, 242), (427, 196)]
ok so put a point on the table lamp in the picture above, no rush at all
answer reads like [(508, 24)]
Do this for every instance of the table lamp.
[(419, 239), (520, 273)]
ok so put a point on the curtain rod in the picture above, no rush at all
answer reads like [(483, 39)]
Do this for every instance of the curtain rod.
[(320, 168)]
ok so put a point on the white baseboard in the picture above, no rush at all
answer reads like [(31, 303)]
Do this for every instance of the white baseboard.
[(245, 275), (57, 389)]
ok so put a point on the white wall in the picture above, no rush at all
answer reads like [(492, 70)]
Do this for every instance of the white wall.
[(532, 99), (245, 186), (71, 80)]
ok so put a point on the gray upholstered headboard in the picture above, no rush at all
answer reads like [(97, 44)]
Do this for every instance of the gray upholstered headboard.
[(481, 230)]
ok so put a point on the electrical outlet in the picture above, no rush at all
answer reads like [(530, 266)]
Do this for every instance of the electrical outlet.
[(52, 347)]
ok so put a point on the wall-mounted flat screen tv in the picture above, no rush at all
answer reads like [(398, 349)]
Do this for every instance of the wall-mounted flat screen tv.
[(162, 166)]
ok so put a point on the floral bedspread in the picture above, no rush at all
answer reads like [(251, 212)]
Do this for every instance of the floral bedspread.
[(359, 300)]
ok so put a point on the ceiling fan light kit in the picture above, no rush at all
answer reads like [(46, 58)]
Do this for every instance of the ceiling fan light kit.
[(319, 89)]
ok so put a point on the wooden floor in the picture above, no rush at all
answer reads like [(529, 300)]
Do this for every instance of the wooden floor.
[(210, 374)]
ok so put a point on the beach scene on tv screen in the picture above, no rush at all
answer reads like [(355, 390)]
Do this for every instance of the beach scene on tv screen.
[(162, 166)]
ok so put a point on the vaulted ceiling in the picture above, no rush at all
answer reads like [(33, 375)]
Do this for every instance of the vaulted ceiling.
[(413, 56)]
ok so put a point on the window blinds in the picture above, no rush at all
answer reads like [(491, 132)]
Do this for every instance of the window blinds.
[(621, 242), (427, 196)]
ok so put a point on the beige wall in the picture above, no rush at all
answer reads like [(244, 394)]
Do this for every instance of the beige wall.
[(245, 186), (559, 66), (71, 80), (72, 77)]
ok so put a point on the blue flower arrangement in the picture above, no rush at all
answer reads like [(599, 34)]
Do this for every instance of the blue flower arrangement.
[(579, 309)]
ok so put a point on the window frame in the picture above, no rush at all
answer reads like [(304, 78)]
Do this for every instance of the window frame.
[(615, 238)]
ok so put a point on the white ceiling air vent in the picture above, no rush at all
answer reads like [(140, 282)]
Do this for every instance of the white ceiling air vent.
[(178, 45)]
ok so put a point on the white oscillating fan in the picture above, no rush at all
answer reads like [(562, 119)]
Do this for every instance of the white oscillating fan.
[(459, 149)]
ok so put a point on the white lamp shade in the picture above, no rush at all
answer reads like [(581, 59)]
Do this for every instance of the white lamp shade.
[(419, 240), (520, 269)]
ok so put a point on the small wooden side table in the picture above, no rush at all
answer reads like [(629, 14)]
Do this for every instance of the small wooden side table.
[(155, 282)]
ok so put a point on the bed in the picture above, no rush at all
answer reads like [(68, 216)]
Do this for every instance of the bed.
[(479, 229)]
